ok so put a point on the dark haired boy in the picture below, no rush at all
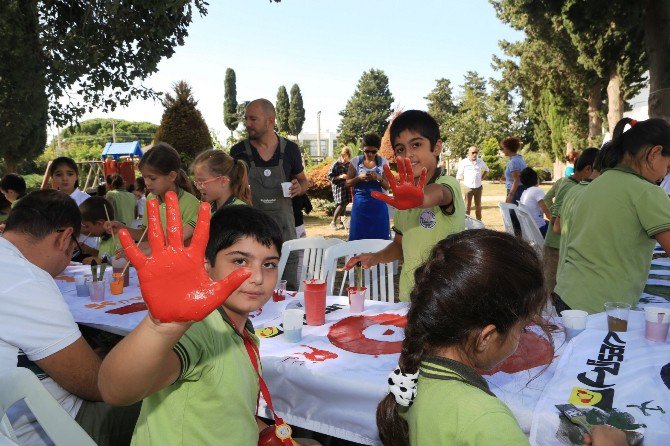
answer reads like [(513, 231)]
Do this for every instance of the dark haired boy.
[(93, 219), (198, 384), (13, 187), (425, 215)]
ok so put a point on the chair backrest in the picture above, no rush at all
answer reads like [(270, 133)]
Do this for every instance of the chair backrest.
[(378, 280), (21, 384), (473, 223), (529, 230), (505, 209), (312, 259)]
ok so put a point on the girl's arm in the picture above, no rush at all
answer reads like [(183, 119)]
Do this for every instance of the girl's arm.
[(352, 178), (516, 176), (392, 252), (557, 225), (128, 374)]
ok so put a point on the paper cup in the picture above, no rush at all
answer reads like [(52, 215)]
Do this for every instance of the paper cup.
[(657, 322), (292, 321), (80, 284), (356, 299), (285, 187), (574, 322)]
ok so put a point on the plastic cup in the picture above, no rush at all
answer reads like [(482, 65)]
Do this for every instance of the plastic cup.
[(97, 289), (315, 301), (657, 322), (292, 322), (118, 266), (280, 292), (356, 299), (617, 316), (116, 285), (81, 286), (574, 322), (285, 187)]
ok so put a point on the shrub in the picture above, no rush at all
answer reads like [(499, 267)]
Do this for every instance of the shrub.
[(325, 206), (319, 185)]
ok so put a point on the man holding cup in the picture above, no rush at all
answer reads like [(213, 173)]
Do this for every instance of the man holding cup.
[(272, 160)]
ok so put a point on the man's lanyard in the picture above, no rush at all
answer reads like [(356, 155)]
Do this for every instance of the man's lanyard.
[(282, 430)]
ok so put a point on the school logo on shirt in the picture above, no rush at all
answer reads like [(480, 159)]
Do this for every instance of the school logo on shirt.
[(427, 219)]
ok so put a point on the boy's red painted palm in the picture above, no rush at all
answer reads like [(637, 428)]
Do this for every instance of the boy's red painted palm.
[(406, 195), (173, 279)]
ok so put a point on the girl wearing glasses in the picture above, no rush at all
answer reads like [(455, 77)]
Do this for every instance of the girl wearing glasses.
[(369, 216), (221, 180)]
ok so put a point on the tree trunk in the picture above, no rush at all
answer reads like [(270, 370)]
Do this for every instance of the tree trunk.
[(614, 100), (595, 120), (10, 164), (657, 42)]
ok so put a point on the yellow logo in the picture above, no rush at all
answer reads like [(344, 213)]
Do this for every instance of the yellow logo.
[(268, 332), (584, 397)]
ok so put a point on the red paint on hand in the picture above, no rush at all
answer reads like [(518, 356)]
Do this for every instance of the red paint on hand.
[(173, 280), (406, 194)]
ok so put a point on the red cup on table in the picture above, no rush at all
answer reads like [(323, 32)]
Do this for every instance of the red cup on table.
[(315, 301)]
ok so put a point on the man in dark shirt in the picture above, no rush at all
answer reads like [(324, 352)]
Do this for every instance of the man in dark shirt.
[(272, 160)]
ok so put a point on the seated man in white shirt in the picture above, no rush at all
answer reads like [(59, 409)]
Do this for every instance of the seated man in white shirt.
[(37, 329), (471, 171)]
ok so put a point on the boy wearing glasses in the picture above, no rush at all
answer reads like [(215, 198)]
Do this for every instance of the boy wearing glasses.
[(471, 171), (369, 217), (425, 215)]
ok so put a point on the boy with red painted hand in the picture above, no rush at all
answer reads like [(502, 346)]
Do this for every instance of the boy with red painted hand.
[(426, 214), (192, 358)]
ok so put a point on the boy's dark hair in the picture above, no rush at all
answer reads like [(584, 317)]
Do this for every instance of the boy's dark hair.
[(232, 223), (512, 143), (528, 177), (598, 162), (14, 182), (471, 279), (93, 209), (140, 184), (42, 212), (642, 135), (55, 164), (418, 121), (371, 140), (586, 159), (115, 180)]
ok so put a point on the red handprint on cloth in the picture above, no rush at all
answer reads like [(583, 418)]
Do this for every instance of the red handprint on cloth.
[(406, 195), (173, 280)]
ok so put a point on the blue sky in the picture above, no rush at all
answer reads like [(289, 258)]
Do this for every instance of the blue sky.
[(324, 46)]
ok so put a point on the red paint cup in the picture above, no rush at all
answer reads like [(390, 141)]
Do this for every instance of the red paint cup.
[(315, 301)]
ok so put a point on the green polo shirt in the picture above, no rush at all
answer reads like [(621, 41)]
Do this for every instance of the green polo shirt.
[(188, 208), (232, 201), (213, 402), (107, 246), (609, 240), (551, 193), (422, 228), (449, 410), (552, 240), (123, 203)]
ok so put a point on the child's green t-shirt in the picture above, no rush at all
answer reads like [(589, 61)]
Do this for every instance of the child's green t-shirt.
[(553, 240), (188, 208), (107, 246), (213, 402), (610, 240), (449, 411), (124, 204), (421, 229)]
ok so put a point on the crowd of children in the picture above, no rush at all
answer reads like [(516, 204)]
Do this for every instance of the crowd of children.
[(471, 293)]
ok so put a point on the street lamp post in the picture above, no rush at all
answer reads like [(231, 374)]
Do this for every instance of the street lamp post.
[(318, 132), (448, 153)]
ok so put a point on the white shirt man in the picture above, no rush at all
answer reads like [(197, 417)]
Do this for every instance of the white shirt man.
[(471, 171)]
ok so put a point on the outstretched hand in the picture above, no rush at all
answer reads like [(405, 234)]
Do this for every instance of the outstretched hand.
[(406, 195), (173, 280)]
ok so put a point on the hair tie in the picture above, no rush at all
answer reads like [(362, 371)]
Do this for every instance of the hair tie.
[(633, 122), (403, 386)]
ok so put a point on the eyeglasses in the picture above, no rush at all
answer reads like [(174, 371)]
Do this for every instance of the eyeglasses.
[(77, 247), (370, 151), (202, 184), (474, 153)]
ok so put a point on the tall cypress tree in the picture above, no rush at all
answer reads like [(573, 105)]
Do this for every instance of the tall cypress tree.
[(296, 112), (368, 109), (282, 110), (182, 125), (230, 116)]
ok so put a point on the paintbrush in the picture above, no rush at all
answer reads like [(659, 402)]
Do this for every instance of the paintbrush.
[(575, 416)]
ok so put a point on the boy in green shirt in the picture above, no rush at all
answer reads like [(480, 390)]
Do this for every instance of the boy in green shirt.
[(198, 383), (93, 224), (425, 215)]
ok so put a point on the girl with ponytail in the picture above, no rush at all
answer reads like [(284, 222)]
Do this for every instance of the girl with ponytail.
[(471, 301), (612, 227), (162, 172), (221, 180)]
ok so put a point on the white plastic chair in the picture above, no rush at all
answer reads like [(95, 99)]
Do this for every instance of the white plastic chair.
[(312, 259), (21, 384), (529, 230), (473, 223), (378, 280), (505, 209)]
